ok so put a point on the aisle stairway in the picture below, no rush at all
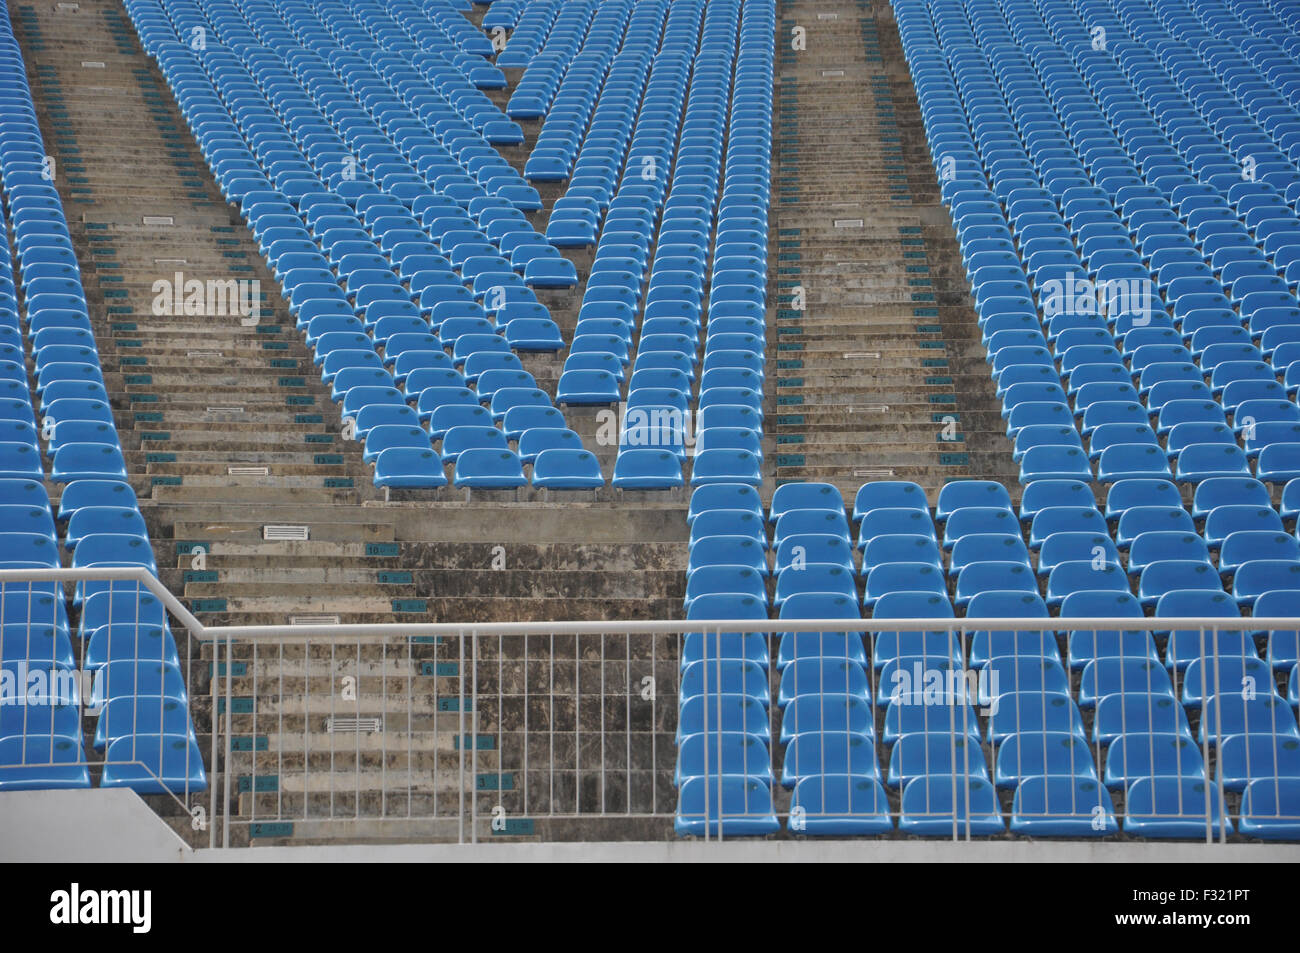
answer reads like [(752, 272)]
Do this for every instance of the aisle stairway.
[(880, 373)]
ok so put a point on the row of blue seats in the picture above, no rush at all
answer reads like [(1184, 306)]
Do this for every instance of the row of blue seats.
[(98, 522), (827, 683), (1081, 215), (674, 188), (400, 254)]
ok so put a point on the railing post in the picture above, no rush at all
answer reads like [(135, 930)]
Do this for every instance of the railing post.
[(225, 828), (213, 685), (473, 727), (460, 737)]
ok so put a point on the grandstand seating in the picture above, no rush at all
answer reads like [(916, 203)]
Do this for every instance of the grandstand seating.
[(98, 522), (1135, 291)]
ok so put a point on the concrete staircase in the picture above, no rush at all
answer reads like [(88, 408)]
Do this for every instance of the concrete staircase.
[(879, 373)]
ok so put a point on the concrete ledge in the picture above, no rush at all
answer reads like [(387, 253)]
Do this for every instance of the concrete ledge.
[(694, 852), (96, 826), (91, 826)]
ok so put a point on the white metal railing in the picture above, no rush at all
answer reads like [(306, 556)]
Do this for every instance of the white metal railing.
[(569, 730)]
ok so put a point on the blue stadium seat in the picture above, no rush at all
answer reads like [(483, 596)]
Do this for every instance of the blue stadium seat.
[(839, 805), (744, 807), (706, 755), (42, 762), (1055, 806), (1142, 754), (1034, 754), (1165, 807), (154, 764), (1270, 809), (959, 494), (646, 469), (930, 809)]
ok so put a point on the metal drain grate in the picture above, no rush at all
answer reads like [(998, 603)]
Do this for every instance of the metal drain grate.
[(319, 618), (848, 223), (284, 533), (248, 471), (156, 219), (343, 724)]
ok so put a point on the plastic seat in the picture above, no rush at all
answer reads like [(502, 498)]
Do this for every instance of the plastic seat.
[(1270, 809), (1164, 807), (1245, 758), (744, 807), (827, 711), (970, 493), (1218, 491), (1038, 753), (838, 805), (805, 497), (154, 764), (1056, 806), (891, 522), (929, 808), (140, 714), (706, 755), (978, 519), (42, 762), (731, 496), (485, 468), (897, 494), (647, 469)]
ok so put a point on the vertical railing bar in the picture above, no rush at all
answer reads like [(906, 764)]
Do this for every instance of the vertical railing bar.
[(603, 758), (1209, 808), (279, 755), (473, 727), (577, 723), (550, 658), (383, 735), (501, 698), (356, 714), (410, 726), (252, 795), (627, 723), (1218, 729), (527, 800), (460, 735), (333, 669), (214, 687), (230, 654)]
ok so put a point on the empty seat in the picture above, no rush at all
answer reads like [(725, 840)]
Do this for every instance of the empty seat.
[(1172, 807), (155, 764), (1270, 809), (742, 808), (483, 468), (1057, 806), (839, 805), (930, 808)]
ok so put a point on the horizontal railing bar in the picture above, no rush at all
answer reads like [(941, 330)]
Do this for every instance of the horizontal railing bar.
[(298, 633)]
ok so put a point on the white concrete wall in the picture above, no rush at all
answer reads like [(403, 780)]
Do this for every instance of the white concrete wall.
[(116, 825)]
